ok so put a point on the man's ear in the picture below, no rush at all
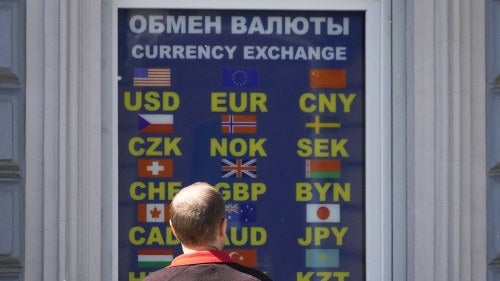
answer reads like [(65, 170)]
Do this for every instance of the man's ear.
[(223, 227), (173, 229)]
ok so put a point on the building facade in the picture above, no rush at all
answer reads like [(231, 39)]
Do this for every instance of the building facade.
[(435, 216)]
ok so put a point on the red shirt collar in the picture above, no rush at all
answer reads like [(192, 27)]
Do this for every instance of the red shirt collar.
[(201, 257)]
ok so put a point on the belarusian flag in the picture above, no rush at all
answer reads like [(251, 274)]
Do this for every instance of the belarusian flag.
[(323, 168)]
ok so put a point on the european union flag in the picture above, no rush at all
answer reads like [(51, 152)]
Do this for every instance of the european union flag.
[(240, 77)]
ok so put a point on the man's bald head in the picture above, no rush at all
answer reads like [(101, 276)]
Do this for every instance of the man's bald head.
[(196, 213)]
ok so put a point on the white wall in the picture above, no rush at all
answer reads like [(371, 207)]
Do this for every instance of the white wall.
[(446, 141), (63, 140)]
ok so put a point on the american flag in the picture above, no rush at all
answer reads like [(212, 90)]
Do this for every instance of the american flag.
[(152, 77), (239, 168)]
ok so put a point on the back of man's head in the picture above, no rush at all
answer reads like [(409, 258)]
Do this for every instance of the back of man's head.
[(196, 213)]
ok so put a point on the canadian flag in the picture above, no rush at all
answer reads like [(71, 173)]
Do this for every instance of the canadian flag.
[(151, 212)]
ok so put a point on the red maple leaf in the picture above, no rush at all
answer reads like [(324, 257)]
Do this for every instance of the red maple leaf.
[(155, 213)]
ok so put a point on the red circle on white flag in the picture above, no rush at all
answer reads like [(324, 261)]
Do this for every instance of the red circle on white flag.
[(323, 213)]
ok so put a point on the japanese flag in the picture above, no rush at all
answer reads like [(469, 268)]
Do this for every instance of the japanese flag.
[(323, 213)]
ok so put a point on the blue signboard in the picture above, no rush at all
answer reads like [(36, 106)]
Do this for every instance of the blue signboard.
[(269, 107)]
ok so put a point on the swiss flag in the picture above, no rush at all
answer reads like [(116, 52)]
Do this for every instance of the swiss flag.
[(155, 168)]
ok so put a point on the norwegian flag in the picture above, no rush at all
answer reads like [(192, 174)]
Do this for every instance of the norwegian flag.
[(238, 124), (239, 168)]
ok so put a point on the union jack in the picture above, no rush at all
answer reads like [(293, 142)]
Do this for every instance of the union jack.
[(239, 168), (232, 208)]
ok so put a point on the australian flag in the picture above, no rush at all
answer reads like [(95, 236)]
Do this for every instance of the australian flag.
[(241, 213)]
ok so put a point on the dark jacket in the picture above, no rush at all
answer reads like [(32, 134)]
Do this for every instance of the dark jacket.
[(206, 266)]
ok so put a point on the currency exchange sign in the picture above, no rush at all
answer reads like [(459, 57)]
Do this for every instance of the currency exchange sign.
[(268, 106)]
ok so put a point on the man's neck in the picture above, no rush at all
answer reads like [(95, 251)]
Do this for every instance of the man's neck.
[(198, 248)]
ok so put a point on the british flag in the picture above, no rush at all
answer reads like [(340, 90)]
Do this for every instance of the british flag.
[(232, 208), (239, 168)]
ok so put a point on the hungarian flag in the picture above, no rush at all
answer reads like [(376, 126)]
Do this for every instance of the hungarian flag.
[(154, 258), (247, 257), (323, 168), (151, 212), (156, 123), (323, 78), (155, 168), (323, 213), (239, 124)]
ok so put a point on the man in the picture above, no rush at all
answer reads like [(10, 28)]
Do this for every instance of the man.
[(198, 220)]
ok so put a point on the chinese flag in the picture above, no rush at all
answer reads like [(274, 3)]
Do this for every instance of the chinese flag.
[(327, 78)]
